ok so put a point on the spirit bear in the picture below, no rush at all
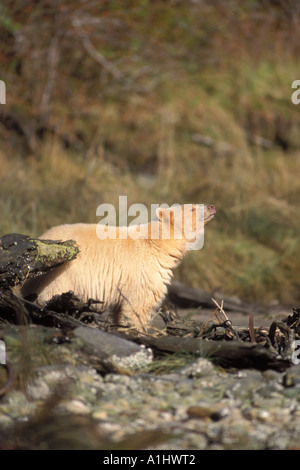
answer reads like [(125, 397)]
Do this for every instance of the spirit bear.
[(130, 271)]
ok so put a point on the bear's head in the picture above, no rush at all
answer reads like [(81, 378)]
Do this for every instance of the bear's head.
[(185, 222)]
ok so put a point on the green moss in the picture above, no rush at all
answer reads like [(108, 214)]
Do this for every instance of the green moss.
[(47, 254)]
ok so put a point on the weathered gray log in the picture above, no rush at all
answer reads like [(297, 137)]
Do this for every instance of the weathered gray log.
[(22, 257), (188, 297), (224, 353)]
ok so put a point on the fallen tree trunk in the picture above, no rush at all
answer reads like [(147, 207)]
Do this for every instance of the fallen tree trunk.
[(22, 257), (238, 354), (188, 297)]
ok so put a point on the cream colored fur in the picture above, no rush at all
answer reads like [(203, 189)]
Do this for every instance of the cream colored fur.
[(129, 275)]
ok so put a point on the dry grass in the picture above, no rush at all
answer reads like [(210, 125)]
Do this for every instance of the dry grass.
[(200, 77)]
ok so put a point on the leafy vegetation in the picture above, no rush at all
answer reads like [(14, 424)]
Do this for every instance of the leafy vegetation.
[(162, 101)]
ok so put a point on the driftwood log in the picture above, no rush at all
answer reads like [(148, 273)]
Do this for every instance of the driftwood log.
[(22, 257), (237, 354), (188, 297)]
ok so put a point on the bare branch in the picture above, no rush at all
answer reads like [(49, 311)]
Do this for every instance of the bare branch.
[(97, 56)]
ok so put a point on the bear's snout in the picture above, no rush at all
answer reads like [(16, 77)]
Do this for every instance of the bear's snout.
[(211, 208)]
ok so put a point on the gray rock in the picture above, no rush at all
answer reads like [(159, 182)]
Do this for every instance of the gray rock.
[(109, 346), (292, 376), (105, 344)]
